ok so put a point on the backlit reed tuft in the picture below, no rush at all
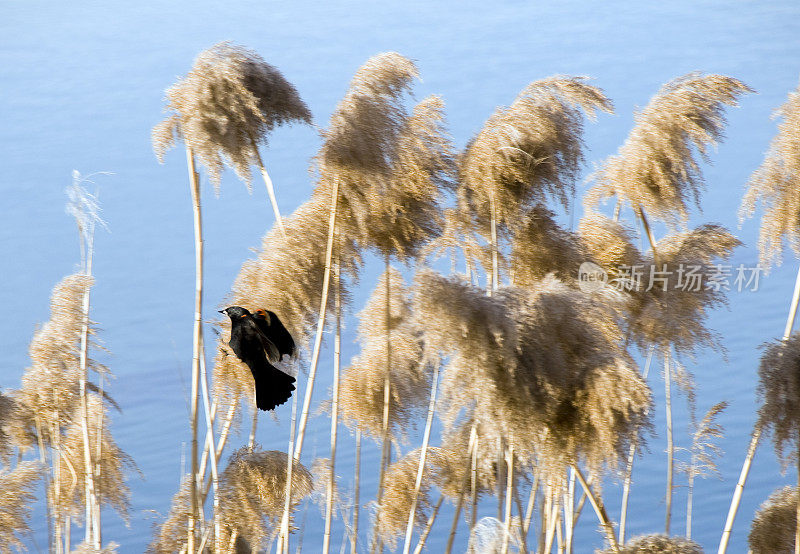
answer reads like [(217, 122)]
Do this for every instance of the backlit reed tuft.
[(362, 129), (674, 311), (361, 391), (657, 168), (532, 149), (773, 527), (778, 388), (110, 468), (455, 462), (16, 498), (171, 535), (252, 493), (776, 184), (609, 243), (541, 367), (50, 386), (457, 241), (398, 493), (403, 211), (8, 409), (541, 246), (225, 106), (657, 544)]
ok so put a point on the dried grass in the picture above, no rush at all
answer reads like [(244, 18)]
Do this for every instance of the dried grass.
[(775, 184), (225, 106), (253, 490), (361, 399), (657, 544), (542, 368), (778, 388), (50, 386), (16, 497), (541, 246), (657, 169), (171, 535), (531, 150), (676, 316), (403, 211), (398, 491), (110, 469), (773, 528)]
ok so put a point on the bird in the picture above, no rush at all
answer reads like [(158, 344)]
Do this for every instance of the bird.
[(273, 387), (273, 328)]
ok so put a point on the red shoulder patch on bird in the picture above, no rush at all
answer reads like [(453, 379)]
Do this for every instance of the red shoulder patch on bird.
[(243, 315)]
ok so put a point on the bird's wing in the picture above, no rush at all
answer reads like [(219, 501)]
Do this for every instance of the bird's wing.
[(280, 335), (273, 353), (273, 387)]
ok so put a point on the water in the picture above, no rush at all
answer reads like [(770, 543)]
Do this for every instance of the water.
[(82, 85)]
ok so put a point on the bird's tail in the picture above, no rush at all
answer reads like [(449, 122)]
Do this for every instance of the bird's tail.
[(273, 390)]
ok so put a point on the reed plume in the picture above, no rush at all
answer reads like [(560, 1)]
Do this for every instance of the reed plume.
[(674, 311), (775, 184), (657, 544), (398, 494), (227, 103), (539, 367), (50, 386), (778, 387), (532, 149), (541, 246), (16, 497), (171, 535), (657, 168), (109, 469), (362, 386), (252, 489), (772, 530)]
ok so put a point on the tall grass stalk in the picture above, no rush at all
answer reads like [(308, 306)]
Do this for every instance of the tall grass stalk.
[(323, 306), (509, 494), (599, 509), (473, 444), (429, 525), (211, 442), (356, 492), (194, 185), (423, 453), (337, 359), (670, 444), (626, 487)]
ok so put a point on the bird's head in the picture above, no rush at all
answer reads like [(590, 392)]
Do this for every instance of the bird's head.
[(234, 312), (261, 313)]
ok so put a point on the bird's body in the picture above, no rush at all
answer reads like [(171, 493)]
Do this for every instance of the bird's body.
[(257, 349)]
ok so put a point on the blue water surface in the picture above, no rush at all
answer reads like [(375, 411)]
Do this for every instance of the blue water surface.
[(82, 84)]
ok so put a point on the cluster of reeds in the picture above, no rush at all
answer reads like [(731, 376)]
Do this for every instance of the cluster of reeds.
[(521, 383), (530, 377), (55, 426)]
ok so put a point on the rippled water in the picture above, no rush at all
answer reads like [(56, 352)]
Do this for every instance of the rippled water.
[(82, 84)]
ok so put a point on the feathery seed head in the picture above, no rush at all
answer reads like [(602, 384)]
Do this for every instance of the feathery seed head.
[(773, 527), (656, 169), (225, 106), (775, 184)]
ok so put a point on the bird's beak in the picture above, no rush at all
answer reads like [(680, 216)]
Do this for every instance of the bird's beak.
[(221, 311)]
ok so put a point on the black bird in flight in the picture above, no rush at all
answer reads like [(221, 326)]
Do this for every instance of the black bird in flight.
[(257, 342)]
